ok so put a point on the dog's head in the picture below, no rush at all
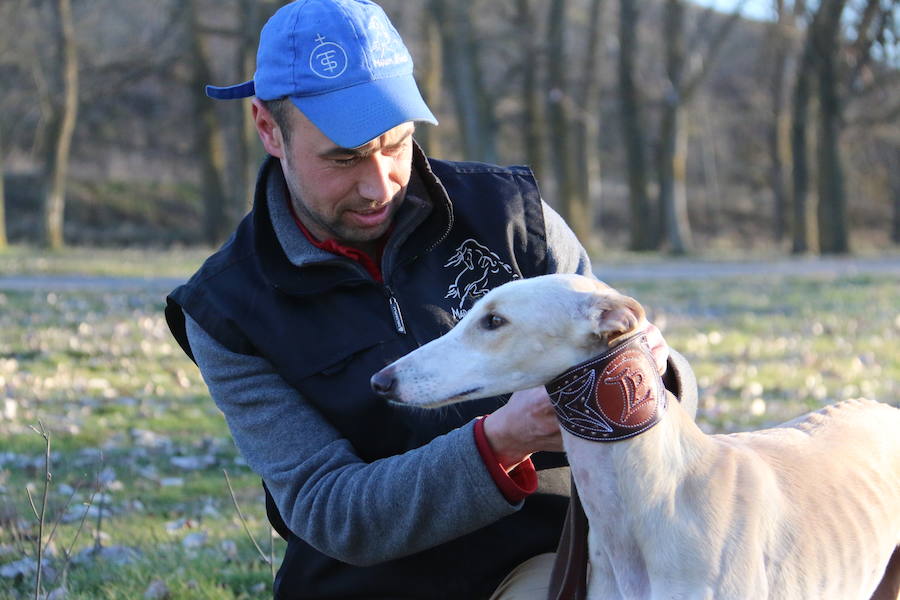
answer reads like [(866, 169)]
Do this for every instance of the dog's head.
[(520, 335)]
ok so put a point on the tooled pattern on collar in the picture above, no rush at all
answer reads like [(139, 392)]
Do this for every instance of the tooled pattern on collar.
[(614, 396)]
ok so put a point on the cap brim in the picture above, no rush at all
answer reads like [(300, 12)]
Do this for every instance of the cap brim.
[(231, 92), (353, 116)]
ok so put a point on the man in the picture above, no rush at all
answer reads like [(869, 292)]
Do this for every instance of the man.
[(358, 250)]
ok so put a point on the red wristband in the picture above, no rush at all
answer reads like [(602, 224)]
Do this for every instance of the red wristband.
[(516, 485)]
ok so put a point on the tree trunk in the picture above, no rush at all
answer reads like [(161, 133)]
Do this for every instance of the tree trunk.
[(672, 188), (586, 126), (673, 144), (61, 129), (532, 117), (247, 152), (673, 138), (474, 112), (778, 137), (3, 240), (895, 191), (559, 117), (432, 83), (832, 207), (800, 234), (641, 218), (209, 143)]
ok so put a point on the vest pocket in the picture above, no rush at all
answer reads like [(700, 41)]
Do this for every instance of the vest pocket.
[(341, 364), (339, 389)]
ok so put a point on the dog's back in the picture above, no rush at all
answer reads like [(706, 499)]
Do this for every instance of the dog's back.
[(838, 472)]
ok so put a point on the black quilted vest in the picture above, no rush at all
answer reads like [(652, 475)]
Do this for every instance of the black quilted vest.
[(328, 327)]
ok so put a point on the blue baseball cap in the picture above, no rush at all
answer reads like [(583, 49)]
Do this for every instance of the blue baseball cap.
[(342, 64)]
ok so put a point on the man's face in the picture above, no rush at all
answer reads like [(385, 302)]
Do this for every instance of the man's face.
[(349, 194)]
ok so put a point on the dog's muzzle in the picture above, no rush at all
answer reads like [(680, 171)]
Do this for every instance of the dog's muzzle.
[(616, 395), (384, 383)]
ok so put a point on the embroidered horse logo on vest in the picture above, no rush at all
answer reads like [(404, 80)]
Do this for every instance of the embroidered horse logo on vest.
[(482, 270)]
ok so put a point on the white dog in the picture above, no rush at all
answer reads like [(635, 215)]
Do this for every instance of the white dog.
[(806, 510)]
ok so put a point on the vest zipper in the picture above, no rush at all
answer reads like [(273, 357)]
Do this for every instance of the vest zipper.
[(395, 311)]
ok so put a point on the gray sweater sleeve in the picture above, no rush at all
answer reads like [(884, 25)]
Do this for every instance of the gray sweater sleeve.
[(357, 512), (565, 254)]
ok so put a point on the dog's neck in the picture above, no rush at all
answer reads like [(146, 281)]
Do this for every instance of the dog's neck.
[(614, 396), (619, 396)]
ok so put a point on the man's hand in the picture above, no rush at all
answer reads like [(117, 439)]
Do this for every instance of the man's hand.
[(658, 347), (524, 425)]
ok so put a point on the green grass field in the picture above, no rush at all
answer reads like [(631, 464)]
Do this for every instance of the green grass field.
[(128, 414)]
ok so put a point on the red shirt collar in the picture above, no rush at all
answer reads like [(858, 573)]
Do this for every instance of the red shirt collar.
[(331, 245)]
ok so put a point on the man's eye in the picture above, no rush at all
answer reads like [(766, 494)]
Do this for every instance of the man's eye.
[(492, 321), (345, 162), (397, 148)]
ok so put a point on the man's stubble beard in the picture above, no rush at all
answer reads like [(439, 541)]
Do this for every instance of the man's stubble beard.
[(336, 229)]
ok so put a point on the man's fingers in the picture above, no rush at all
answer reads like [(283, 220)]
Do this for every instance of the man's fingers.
[(658, 347)]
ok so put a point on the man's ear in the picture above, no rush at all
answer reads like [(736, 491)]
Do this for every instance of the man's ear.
[(613, 315), (269, 132)]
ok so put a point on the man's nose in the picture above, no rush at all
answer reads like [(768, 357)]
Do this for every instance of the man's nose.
[(376, 183)]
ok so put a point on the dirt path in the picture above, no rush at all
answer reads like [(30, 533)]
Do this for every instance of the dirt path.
[(63, 283), (631, 271), (786, 267)]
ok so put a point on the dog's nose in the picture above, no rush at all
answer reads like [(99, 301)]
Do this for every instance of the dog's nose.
[(384, 383)]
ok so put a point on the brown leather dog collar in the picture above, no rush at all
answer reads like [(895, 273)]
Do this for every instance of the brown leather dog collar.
[(616, 395)]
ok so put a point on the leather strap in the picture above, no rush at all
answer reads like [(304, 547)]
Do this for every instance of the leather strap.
[(616, 395), (568, 581)]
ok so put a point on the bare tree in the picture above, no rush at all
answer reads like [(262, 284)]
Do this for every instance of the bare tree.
[(247, 147), (673, 138), (532, 116), (832, 210), (208, 135), (802, 95), (559, 117), (6, 14), (838, 59), (889, 148), (431, 66), (784, 50), (474, 109), (3, 240), (844, 63), (243, 144), (642, 234), (61, 125), (585, 123), (895, 192)]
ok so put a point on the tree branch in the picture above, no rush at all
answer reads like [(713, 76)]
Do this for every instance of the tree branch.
[(694, 80)]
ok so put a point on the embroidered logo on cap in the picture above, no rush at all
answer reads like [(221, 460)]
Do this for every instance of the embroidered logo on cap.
[(328, 60), (386, 46)]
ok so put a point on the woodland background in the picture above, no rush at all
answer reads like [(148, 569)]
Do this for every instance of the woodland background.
[(652, 124)]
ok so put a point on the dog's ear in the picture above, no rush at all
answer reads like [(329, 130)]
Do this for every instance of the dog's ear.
[(614, 315)]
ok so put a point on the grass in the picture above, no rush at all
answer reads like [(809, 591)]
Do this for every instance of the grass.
[(99, 369), (118, 262), (767, 349)]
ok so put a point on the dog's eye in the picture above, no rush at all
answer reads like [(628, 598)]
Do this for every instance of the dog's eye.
[(492, 321)]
